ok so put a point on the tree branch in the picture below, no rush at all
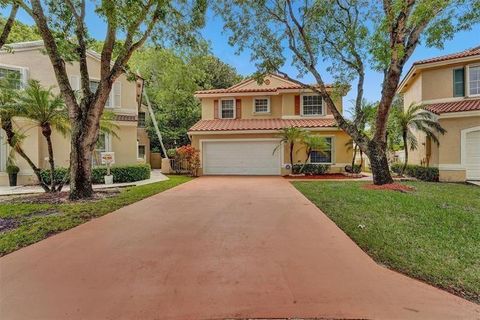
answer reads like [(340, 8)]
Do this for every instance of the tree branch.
[(8, 25)]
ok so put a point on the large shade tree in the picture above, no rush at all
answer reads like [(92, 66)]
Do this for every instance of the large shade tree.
[(350, 35), (129, 24)]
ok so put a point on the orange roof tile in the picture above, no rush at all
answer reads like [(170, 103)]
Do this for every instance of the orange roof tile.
[(458, 106), (234, 90), (260, 124), (463, 54)]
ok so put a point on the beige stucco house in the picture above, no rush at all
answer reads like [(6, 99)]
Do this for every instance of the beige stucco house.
[(239, 129), (449, 87), (28, 61)]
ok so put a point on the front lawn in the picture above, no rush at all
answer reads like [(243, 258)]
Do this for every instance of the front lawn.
[(27, 223), (432, 233)]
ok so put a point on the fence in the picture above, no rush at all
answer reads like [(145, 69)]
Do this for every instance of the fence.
[(179, 166)]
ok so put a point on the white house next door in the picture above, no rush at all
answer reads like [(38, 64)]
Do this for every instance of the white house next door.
[(237, 157)]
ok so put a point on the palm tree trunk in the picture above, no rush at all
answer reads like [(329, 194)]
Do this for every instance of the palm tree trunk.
[(47, 133), (354, 156), (291, 156), (7, 126), (404, 137)]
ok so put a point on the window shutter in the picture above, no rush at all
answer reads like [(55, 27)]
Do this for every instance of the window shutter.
[(215, 109), (75, 83), (297, 105), (117, 94), (238, 108), (459, 82)]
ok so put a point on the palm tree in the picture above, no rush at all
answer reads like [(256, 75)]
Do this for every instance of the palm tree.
[(290, 136), (48, 111), (416, 118), (314, 143)]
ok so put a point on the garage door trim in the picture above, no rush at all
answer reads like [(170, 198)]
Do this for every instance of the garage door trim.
[(281, 150), (464, 147)]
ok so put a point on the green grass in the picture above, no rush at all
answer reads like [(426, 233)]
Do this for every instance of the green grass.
[(432, 234), (35, 226)]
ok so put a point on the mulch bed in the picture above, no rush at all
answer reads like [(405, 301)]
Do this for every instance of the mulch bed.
[(326, 176), (56, 198), (391, 186)]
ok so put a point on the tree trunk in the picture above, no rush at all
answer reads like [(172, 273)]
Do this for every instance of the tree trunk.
[(354, 156), (47, 133), (83, 139), (379, 163), (404, 136), (291, 156)]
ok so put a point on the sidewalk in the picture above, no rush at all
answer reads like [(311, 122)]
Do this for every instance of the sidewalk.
[(155, 176)]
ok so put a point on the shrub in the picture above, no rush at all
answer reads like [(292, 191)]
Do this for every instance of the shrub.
[(310, 168), (128, 173), (12, 169), (356, 169), (416, 171), (191, 156)]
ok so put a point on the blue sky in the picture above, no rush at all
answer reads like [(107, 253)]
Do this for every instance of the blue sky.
[(218, 39)]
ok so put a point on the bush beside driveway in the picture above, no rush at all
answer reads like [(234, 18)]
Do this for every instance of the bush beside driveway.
[(432, 234), (26, 220)]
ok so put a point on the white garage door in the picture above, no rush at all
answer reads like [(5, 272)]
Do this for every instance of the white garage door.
[(255, 157), (472, 151)]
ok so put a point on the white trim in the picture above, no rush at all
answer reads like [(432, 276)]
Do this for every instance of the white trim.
[(290, 117), (333, 142), (23, 72), (467, 77), (254, 110), (226, 132), (311, 115), (282, 152), (461, 114), (234, 108)]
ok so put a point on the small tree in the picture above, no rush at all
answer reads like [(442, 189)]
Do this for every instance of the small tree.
[(416, 118), (313, 143), (290, 136)]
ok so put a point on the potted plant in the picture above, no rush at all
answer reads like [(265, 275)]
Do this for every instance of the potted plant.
[(12, 171)]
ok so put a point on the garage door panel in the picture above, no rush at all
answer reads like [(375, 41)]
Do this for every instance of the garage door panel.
[(472, 153), (241, 157)]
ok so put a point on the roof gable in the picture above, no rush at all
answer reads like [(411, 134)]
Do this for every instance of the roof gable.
[(270, 81)]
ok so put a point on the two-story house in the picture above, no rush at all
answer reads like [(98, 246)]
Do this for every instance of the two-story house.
[(239, 129), (449, 87), (26, 61)]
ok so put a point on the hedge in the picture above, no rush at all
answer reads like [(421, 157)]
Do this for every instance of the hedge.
[(416, 171), (310, 168), (129, 173)]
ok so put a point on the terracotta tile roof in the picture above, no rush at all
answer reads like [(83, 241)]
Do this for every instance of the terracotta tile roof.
[(458, 55), (458, 106), (234, 90), (260, 124), (125, 117)]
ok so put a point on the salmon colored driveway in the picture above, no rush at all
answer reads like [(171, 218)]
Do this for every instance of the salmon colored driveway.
[(213, 248)]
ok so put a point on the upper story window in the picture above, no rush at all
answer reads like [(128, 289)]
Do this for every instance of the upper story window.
[(227, 108), (261, 105), (474, 80), (141, 120), (13, 76), (312, 105), (323, 156), (93, 87), (459, 82)]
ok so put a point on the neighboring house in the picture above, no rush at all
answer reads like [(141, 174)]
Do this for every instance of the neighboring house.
[(239, 129), (28, 61), (449, 87)]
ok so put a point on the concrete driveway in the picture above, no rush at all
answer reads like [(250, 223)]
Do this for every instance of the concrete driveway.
[(216, 247)]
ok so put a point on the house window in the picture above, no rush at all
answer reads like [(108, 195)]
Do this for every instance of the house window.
[(12, 76), (312, 105), (474, 80), (323, 156), (227, 109), (141, 152), (459, 82), (141, 120), (94, 86), (262, 105)]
